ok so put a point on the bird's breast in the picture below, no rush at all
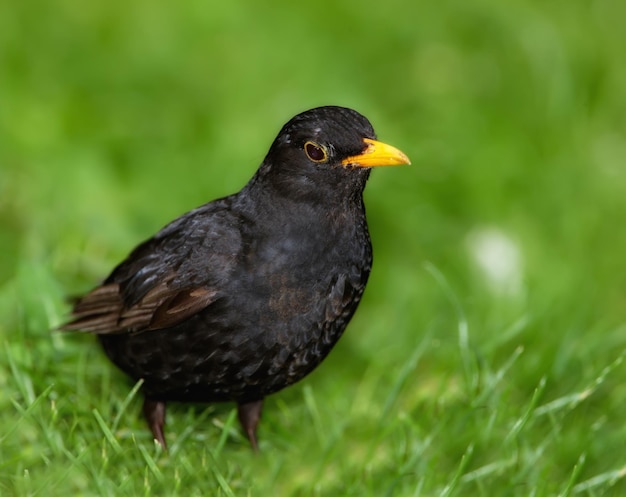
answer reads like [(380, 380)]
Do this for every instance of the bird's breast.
[(298, 281)]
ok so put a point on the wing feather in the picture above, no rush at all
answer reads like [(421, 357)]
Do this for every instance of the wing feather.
[(163, 281)]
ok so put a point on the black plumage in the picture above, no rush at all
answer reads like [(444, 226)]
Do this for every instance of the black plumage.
[(247, 294)]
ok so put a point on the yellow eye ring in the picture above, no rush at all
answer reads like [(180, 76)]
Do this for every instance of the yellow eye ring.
[(315, 152)]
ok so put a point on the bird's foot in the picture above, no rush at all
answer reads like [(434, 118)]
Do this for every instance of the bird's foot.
[(154, 412), (249, 417)]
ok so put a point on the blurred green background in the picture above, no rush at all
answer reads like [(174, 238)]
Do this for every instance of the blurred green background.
[(486, 357)]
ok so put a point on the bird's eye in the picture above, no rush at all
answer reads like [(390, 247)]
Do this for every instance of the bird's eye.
[(315, 152)]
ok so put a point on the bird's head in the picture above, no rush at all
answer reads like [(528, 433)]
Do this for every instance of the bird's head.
[(327, 149)]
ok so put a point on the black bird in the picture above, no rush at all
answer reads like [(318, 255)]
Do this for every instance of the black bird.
[(245, 295)]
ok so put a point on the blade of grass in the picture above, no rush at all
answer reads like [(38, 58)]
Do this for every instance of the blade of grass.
[(572, 400), (450, 487), (528, 414), (106, 431), (608, 478), (572, 479), (124, 405), (467, 357)]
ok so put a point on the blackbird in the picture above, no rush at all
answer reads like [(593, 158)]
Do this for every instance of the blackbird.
[(245, 295)]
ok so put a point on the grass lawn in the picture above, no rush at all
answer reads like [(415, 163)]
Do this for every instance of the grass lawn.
[(487, 357)]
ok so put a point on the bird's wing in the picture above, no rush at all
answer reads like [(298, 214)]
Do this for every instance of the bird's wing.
[(167, 279)]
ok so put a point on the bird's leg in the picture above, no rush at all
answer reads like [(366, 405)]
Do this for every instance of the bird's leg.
[(154, 412), (249, 417)]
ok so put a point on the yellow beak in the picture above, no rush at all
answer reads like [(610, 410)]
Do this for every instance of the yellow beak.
[(377, 154)]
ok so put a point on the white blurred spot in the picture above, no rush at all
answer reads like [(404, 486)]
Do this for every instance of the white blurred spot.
[(499, 259)]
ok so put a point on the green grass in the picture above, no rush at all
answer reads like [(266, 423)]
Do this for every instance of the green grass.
[(115, 117)]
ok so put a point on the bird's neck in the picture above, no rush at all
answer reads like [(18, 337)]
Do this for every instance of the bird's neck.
[(336, 190), (303, 209)]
